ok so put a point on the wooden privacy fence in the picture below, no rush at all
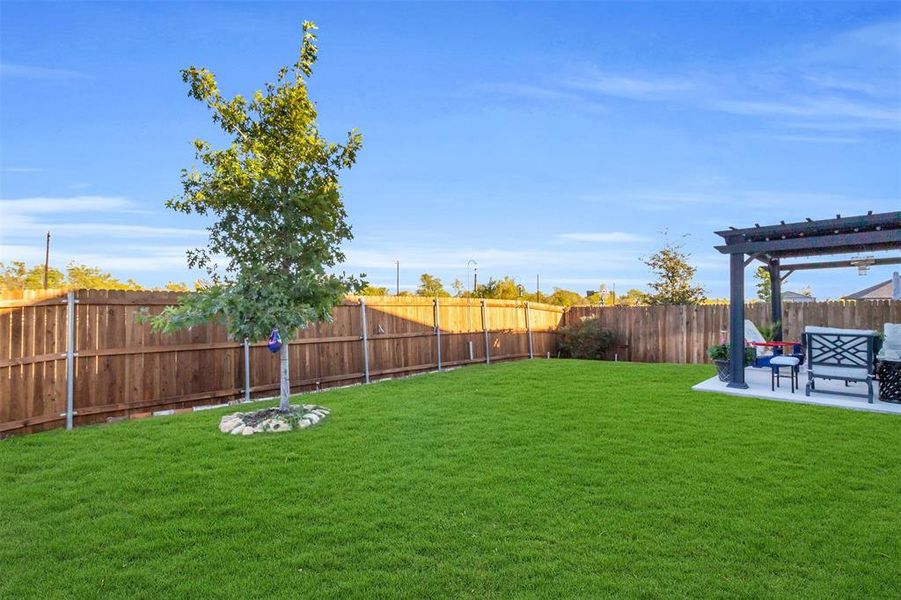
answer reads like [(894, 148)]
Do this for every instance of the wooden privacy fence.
[(681, 334), (115, 365)]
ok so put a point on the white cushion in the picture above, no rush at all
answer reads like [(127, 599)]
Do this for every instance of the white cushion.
[(892, 335), (752, 334), (815, 329), (841, 372), (788, 361)]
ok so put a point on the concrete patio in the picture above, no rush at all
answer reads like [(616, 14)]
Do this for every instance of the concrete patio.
[(758, 381)]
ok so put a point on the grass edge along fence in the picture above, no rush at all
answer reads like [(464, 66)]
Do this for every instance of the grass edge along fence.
[(108, 364)]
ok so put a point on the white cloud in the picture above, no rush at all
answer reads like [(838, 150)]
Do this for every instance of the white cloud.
[(55, 205), (847, 82), (35, 72), (21, 170), (637, 87), (606, 237)]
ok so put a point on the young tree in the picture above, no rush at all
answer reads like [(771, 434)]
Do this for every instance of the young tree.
[(674, 277), (431, 286), (279, 220), (764, 286), (458, 287)]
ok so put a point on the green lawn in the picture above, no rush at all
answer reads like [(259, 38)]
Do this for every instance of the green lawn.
[(537, 478)]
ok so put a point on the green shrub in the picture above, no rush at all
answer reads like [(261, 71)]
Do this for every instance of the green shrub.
[(585, 339)]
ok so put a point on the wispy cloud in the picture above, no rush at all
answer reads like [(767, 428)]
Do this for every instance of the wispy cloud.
[(21, 170), (850, 82), (634, 87), (36, 72), (817, 139), (56, 204), (604, 237)]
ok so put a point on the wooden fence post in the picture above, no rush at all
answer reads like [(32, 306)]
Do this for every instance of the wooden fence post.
[(246, 370), (485, 329), (365, 338), (438, 333), (70, 360), (529, 329)]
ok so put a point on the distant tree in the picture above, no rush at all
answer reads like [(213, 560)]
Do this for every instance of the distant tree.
[(373, 290), (279, 221), (404, 294), (458, 287), (674, 284), (632, 298), (176, 286), (562, 297), (806, 291), (763, 284), (501, 289), (83, 277), (17, 276), (431, 286)]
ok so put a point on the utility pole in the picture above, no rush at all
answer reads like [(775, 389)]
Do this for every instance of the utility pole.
[(46, 260), (397, 281), (538, 288), (471, 263), (475, 278)]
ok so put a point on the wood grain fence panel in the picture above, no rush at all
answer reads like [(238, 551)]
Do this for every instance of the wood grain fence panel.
[(123, 366)]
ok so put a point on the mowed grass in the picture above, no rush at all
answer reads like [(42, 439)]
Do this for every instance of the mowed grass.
[(540, 478)]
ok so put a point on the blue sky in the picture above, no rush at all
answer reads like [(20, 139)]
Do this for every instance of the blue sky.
[(551, 139)]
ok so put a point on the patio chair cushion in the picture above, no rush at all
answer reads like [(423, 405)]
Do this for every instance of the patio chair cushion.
[(817, 329), (785, 361), (891, 345), (858, 373), (752, 334)]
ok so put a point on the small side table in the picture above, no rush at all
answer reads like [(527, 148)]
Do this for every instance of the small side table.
[(890, 380)]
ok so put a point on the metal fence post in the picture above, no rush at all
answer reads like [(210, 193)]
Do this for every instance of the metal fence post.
[(529, 328), (365, 339), (70, 360), (438, 333), (485, 329), (246, 370)]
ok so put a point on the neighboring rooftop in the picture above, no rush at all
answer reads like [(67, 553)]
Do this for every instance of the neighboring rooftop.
[(880, 291), (797, 297)]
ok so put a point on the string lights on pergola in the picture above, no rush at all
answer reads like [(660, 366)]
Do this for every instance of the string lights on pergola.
[(772, 244)]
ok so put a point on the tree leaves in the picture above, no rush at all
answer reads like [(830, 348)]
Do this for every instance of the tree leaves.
[(275, 194)]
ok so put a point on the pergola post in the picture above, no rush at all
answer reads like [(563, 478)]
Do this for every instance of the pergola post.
[(737, 320), (775, 298)]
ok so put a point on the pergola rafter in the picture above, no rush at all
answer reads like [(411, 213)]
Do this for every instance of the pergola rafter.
[(772, 243)]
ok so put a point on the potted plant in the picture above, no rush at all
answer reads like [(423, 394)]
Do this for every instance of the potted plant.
[(720, 356)]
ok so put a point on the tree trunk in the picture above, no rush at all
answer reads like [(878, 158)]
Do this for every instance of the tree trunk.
[(285, 378)]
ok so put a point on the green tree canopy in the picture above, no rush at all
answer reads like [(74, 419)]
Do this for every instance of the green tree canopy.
[(674, 284), (562, 297), (632, 298), (17, 276), (373, 290), (278, 217), (501, 289), (431, 286)]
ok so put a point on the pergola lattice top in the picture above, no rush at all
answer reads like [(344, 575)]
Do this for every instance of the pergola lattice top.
[(841, 235)]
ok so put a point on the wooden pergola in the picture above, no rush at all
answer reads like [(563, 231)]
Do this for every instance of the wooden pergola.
[(772, 243)]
